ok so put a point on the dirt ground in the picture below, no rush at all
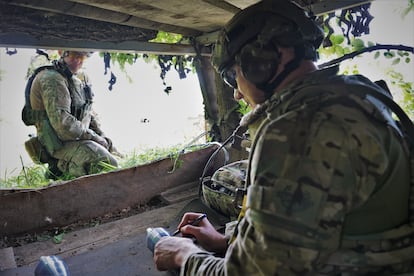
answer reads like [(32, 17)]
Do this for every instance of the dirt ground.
[(57, 232)]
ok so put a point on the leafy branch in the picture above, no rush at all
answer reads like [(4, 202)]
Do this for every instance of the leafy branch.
[(376, 47), (182, 64)]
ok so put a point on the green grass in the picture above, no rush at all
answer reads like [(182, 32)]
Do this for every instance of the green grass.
[(34, 176)]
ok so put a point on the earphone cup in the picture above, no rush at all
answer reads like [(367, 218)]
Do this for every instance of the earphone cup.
[(258, 62)]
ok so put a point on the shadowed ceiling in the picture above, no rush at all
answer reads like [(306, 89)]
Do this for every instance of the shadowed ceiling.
[(123, 25)]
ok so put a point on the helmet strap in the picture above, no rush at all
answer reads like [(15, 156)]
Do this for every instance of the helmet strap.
[(63, 67), (269, 88)]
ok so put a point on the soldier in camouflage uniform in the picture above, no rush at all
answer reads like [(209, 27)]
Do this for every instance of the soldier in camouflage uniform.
[(69, 131), (328, 174)]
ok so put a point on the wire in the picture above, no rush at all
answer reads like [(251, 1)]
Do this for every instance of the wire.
[(213, 155)]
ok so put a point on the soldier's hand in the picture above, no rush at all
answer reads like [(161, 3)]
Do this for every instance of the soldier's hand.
[(112, 149), (102, 141), (171, 252), (205, 233)]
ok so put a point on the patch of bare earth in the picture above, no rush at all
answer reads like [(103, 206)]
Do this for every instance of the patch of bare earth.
[(26, 238)]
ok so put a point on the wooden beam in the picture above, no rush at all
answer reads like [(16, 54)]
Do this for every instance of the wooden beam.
[(328, 6), (223, 5), (16, 40), (208, 38)]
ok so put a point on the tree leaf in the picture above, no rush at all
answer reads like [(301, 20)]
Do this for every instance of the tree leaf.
[(358, 44), (58, 238), (396, 61), (337, 39)]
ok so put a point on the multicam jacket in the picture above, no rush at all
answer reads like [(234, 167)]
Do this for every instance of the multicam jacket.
[(328, 188), (67, 105)]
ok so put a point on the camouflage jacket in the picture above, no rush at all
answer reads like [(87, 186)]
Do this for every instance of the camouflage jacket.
[(323, 197), (67, 105)]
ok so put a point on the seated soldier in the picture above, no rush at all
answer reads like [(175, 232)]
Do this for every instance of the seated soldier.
[(68, 133), (328, 182)]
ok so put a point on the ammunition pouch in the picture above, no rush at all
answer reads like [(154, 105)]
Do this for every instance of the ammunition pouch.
[(37, 151), (49, 137), (80, 111), (30, 116)]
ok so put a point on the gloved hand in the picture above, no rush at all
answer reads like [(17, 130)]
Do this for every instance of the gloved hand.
[(100, 140), (112, 149)]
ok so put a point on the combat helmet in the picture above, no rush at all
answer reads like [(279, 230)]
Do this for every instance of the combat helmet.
[(219, 191), (65, 52), (251, 37)]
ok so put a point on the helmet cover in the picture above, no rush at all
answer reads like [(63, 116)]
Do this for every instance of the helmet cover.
[(265, 21)]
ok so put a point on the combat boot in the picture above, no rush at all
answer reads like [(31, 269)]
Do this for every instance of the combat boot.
[(53, 171)]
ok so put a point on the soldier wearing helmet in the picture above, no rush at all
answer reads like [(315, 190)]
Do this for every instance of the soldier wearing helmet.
[(67, 126), (328, 174)]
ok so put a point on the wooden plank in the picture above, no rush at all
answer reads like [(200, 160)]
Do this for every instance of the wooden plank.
[(95, 195), (241, 4), (19, 40), (84, 240), (326, 6), (199, 15)]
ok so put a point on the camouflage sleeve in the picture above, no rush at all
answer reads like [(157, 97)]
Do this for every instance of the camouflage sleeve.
[(308, 170), (95, 124), (57, 102), (203, 263)]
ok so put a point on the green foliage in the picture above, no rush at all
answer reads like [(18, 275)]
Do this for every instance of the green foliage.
[(58, 238), (351, 70), (135, 158), (343, 40), (122, 59), (182, 64), (410, 8), (29, 177), (164, 37), (357, 44), (397, 79), (244, 108), (34, 176)]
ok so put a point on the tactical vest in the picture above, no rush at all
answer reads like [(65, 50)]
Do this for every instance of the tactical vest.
[(378, 248), (49, 139), (30, 116)]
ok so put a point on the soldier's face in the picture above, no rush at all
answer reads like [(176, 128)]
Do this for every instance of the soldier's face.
[(74, 60), (246, 90)]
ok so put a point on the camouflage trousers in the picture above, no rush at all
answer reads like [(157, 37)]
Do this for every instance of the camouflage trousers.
[(83, 157)]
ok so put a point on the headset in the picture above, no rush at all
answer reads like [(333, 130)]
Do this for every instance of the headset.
[(252, 37), (260, 58)]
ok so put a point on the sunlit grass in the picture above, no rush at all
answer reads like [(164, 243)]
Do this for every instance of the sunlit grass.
[(29, 177), (34, 176)]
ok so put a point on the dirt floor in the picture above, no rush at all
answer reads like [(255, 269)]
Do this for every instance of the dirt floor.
[(115, 246), (56, 233)]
